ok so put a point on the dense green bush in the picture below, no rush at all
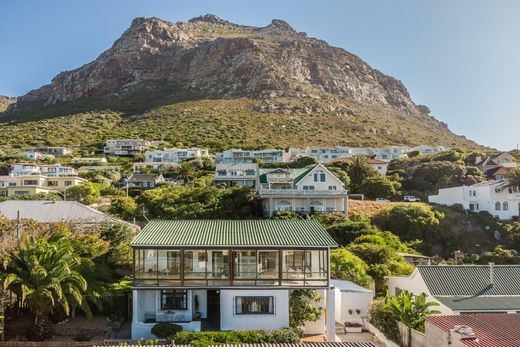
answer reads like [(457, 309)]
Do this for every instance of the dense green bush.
[(166, 330), (347, 266), (379, 187), (383, 320), (236, 337), (346, 232)]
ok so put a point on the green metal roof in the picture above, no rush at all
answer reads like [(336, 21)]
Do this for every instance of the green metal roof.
[(242, 233), (481, 303), (296, 174), (474, 287)]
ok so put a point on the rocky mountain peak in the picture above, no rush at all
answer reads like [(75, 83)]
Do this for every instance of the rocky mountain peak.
[(279, 26), (218, 59), (209, 18)]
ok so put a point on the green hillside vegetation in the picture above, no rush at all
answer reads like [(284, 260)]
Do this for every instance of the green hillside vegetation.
[(221, 124)]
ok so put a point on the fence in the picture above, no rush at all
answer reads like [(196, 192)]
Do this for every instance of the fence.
[(411, 337)]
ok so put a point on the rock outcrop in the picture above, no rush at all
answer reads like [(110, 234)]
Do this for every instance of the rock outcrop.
[(214, 58)]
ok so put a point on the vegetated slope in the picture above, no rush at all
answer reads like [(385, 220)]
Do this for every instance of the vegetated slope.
[(258, 78), (222, 124), (470, 233)]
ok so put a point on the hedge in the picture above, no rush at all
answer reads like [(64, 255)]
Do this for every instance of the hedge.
[(250, 336)]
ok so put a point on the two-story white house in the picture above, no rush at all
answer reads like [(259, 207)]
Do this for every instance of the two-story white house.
[(495, 197), (312, 189), (228, 274), (231, 175), (378, 165), (174, 155), (21, 169), (125, 147)]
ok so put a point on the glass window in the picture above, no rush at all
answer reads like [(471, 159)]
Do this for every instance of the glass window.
[(68, 183), (30, 182), (146, 263), (195, 263), (52, 183), (254, 305), (497, 206), (505, 206), (268, 264), (245, 264), (174, 299), (219, 264), (169, 263)]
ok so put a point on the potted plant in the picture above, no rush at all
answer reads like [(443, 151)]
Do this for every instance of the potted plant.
[(352, 327), (197, 312)]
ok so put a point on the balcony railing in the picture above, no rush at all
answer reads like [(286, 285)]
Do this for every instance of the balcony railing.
[(289, 192)]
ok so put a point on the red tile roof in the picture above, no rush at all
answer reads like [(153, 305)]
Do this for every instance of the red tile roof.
[(491, 329)]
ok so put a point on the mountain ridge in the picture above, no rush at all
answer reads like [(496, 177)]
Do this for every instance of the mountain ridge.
[(210, 58)]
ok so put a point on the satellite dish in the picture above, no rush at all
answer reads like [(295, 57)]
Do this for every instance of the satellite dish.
[(497, 235)]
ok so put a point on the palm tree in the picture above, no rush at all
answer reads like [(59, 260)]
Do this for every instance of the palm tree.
[(43, 273), (186, 172), (410, 309), (358, 171)]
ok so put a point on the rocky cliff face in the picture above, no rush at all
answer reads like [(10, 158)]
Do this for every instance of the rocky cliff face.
[(5, 101), (213, 58)]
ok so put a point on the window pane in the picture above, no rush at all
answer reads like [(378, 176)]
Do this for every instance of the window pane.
[(219, 267), (169, 264), (195, 263), (254, 305), (245, 265), (268, 264), (174, 299)]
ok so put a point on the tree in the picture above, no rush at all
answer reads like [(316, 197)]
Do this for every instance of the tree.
[(359, 171), (379, 187), (341, 175), (186, 172), (86, 193), (410, 309), (514, 178), (410, 221), (346, 232), (347, 266), (124, 207), (43, 273), (303, 307)]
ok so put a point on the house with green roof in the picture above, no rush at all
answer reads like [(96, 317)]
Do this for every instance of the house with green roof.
[(460, 289), (228, 274), (307, 190)]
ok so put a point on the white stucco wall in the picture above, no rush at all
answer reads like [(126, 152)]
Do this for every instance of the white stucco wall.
[(230, 321), (416, 285), (352, 301)]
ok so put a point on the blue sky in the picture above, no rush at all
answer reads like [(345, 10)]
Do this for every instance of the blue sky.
[(461, 58)]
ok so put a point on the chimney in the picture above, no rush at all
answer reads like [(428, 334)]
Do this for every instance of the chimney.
[(491, 273)]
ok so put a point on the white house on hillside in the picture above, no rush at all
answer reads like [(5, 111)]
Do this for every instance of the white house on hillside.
[(231, 175), (174, 155), (312, 189), (380, 166), (240, 156), (125, 147), (460, 289), (231, 274), (495, 197)]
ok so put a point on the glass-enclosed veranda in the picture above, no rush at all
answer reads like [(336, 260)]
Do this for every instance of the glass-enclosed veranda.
[(191, 268)]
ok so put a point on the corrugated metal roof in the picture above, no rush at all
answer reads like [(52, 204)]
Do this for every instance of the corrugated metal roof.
[(53, 211), (491, 330), (471, 279), (244, 233), (481, 303), (347, 286), (474, 287)]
